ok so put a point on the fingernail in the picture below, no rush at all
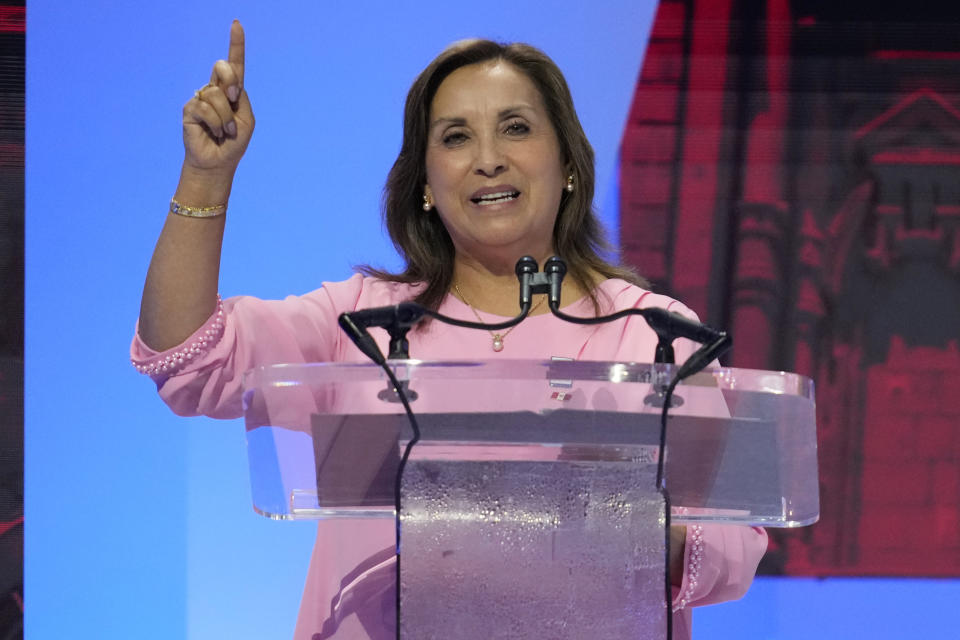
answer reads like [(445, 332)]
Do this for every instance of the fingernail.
[(233, 93), (231, 128)]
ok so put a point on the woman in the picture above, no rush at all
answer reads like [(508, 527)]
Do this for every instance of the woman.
[(494, 165)]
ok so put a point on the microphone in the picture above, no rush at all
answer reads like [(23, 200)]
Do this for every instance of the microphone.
[(673, 325), (526, 268), (402, 316), (396, 319), (555, 268), (360, 337), (704, 356)]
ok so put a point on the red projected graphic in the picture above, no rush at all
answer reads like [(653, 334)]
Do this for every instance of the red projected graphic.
[(13, 19), (792, 171)]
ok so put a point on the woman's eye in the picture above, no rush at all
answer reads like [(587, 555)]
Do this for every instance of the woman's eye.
[(454, 138), (517, 128)]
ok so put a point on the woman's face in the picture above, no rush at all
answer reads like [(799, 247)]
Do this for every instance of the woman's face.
[(494, 166)]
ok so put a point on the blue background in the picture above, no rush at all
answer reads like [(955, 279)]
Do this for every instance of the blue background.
[(138, 523)]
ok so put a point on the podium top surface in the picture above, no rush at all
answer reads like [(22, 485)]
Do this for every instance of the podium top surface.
[(741, 444), (555, 372)]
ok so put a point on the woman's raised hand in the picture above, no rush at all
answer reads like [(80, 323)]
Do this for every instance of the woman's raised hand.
[(181, 288), (218, 120)]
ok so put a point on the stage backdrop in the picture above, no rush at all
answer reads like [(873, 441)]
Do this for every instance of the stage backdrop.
[(138, 523)]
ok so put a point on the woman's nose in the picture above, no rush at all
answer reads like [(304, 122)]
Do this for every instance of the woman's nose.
[(490, 160)]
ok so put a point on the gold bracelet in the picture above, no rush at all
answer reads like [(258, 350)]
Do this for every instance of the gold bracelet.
[(197, 212)]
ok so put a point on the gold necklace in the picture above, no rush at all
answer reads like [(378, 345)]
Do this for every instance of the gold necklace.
[(497, 338)]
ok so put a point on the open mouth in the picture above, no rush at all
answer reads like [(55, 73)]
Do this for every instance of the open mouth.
[(496, 198)]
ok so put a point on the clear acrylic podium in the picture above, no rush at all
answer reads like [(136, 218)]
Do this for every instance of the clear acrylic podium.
[(529, 507)]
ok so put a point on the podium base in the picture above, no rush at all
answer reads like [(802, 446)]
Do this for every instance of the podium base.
[(507, 549)]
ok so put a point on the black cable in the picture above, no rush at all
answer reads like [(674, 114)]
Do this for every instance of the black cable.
[(499, 326), (662, 489), (661, 459), (398, 319), (401, 393)]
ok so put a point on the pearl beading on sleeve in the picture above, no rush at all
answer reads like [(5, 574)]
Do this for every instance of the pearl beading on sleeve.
[(695, 559), (203, 340)]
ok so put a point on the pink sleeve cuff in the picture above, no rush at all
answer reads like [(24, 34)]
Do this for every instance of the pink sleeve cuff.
[(719, 563), (692, 561), (166, 363)]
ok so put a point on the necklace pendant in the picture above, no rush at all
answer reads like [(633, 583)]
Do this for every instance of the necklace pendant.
[(497, 342)]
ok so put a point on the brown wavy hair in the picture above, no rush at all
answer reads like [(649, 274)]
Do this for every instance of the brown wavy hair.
[(421, 239)]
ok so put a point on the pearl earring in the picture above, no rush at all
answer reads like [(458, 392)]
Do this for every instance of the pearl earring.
[(427, 202), (569, 186)]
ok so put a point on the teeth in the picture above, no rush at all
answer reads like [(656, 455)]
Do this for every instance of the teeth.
[(494, 198)]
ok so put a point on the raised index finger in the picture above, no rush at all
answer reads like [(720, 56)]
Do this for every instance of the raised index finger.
[(235, 55)]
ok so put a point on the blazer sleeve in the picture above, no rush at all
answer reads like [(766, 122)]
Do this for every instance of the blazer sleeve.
[(204, 374), (719, 563)]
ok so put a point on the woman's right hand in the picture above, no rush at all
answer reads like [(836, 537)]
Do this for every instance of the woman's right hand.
[(218, 120), (181, 288)]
